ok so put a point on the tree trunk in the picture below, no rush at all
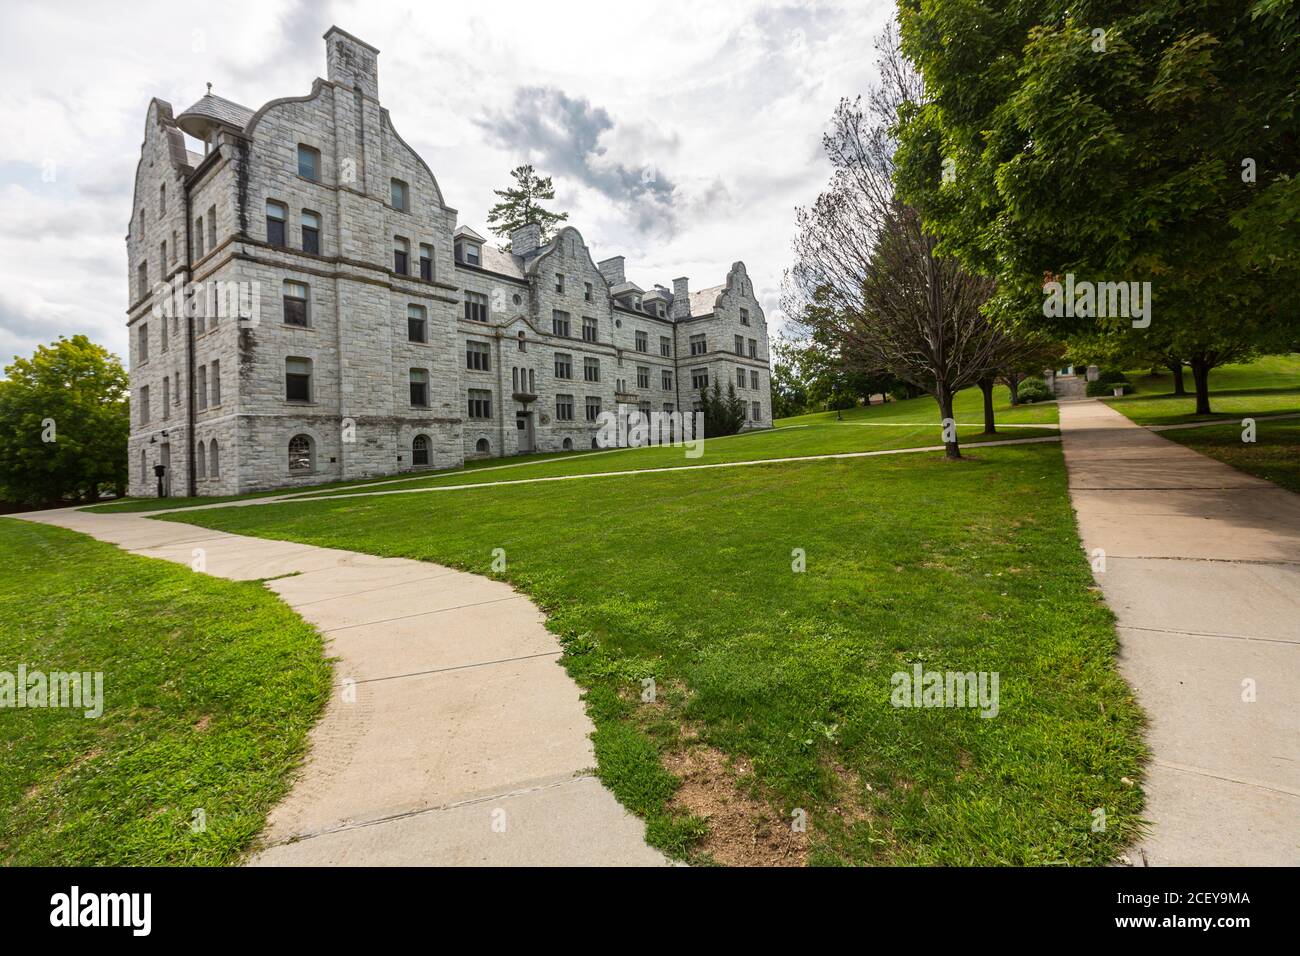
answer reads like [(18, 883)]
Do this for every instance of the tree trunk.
[(951, 449), (986, 386), (1013, 383), (1176, 366), (1201, 376)]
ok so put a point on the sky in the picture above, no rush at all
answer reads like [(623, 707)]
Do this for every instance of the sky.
[(681, 135)]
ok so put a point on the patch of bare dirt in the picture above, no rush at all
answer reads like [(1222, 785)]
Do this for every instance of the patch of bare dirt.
[(743, 830)]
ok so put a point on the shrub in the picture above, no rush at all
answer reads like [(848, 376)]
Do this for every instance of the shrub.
[(1033, 390), (1106, 388), (1113, 378)]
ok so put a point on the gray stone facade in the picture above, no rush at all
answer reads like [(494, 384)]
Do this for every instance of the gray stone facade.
[(267, 355)]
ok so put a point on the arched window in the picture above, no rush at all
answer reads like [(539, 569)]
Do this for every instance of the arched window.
[(420, 450), (144, 466), (567, 445), (201, 468), (482, 447), (214, 460), (594, 444), (300, 454)]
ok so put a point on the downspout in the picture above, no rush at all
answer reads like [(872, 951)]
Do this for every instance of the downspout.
[(189, 347)]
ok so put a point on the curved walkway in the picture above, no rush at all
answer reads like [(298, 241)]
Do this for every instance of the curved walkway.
[(453, 736), (1202, 570)]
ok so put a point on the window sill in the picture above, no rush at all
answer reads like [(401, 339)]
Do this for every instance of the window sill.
[(300, 328), (297, 404)]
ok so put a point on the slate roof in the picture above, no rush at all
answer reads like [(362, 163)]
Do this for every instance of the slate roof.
[(220, 110), (703, 300)]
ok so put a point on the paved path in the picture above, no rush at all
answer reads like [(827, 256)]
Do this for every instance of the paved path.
[(452, 737), (1202, 568)]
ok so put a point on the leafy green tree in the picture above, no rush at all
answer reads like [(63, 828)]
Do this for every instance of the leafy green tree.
[(722, 416), (522, 203), (789, 386), (64, 423), (1116, 142)]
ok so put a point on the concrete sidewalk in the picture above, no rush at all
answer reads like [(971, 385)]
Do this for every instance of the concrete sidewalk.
[(1202, 569), (452, 737)]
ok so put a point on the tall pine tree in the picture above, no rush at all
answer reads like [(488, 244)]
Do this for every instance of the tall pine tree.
[(521, 204)]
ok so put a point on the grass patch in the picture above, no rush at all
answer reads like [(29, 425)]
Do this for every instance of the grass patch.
[(1274, 455), (1267, 386), (210, 688), (687, 579)]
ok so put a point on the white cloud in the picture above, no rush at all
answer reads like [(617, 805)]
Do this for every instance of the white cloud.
[(724, 103)]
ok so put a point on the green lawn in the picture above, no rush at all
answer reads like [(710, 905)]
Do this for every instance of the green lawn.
[(774, 685), (897, 425), (1268, 386), (209, 690), (828, 437), (1274, 455)]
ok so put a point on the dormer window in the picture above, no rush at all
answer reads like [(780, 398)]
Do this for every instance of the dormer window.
[(468, 253), (401, 195), (308, 162)]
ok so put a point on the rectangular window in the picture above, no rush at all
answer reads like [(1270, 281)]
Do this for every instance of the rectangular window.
[(642, 341), (588, 329), (591, 370), (142, 279), (563, 366), (275, 214), (476, 307), (698, 344), (470, 253), (419, 388), (564, 408), (480, 403), (642, 376), (310, 232), (297, 380), (744, 316), (665, 346), (593, 407), (308, 162), (560, 323), (586, 291), (478, 356), (201, 386), (162, 260), (144, 405), (559, 282), (142, 354), (753, 378), (699, 378), (167, 398), (740, 378), (401, 253), (740, 345), (212, 227), (400, 195), (216, 382), (295, 304), (426, 262), (753, 348), (162, 201), (417, 324), (666, 380), (758, 411), (198, 238)]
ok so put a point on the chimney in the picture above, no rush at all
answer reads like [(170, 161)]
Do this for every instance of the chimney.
[(681, 298), (612, 270), (526, 240), (351, 62)]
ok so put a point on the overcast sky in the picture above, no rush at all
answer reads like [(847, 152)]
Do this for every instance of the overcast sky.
[(679, 134)]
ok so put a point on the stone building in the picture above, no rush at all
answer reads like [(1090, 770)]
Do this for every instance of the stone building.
[(304, 308)]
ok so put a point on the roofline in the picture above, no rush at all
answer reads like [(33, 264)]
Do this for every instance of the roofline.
[(357, 40)]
